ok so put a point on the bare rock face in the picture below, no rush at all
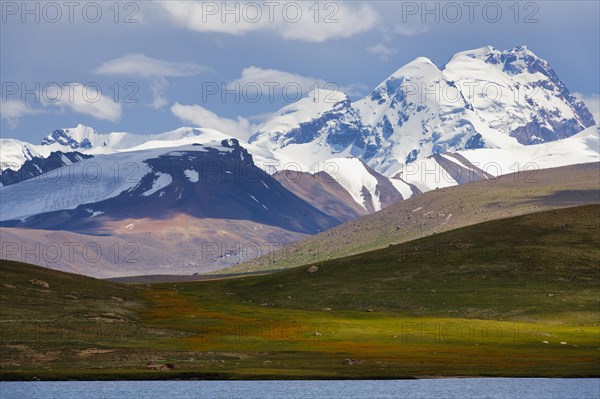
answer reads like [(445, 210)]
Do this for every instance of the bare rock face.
[(323, 192), (313, 269), (40, 284)]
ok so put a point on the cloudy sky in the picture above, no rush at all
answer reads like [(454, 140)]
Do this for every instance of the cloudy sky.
[(149, 67)]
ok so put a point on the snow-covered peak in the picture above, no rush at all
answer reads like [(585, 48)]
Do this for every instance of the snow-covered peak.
[(78, 137), (479, 53), (326, 97), (515, 61), (317, 100), (313, 105), (420, 67), (69, 190), (486, 51), (13, 152), (523, 51), (517, 94), (318, 104), (417, 63), (483, 98), (87, 139)]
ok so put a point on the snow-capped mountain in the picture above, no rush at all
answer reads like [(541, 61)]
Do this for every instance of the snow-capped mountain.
[(85, 140), (467, 166), (580, 148), (530, 103), (483, 103), (39, 165), (14, 153), (218, 180), (186, 209), (483, 98), (369, 189)]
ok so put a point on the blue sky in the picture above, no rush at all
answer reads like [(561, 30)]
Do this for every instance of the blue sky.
[(154, 66)]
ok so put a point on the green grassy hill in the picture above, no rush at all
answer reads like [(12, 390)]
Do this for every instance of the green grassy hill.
[(537, 266), (438, 211), (512, 297)]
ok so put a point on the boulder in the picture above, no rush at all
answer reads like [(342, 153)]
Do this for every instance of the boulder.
[(40, 283)]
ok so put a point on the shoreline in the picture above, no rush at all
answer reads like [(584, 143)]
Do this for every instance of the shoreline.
[(209, 376)]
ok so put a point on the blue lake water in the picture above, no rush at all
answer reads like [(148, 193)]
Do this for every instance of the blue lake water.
[(463, 388)]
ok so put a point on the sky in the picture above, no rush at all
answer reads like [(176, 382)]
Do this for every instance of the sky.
[(153, 66)]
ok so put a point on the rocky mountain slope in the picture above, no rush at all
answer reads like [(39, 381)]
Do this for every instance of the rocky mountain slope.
[(441, 210)]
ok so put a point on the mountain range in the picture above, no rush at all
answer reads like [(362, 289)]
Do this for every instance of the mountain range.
[(196, 200)]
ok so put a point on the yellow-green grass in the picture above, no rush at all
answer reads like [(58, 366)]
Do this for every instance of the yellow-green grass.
[(389, 344)]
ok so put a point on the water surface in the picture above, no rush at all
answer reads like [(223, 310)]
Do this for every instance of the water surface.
[(463, 388)]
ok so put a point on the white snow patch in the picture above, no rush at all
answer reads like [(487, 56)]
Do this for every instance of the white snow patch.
[(162, 181), (426, 174), (84, 182), (580, 148), (403, 188), (192, 175), (352, 174)]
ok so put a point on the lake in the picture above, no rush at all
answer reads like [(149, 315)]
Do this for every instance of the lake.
[(463, 388)]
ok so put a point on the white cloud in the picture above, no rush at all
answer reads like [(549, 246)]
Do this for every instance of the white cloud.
[(13, 110), (159, 87), (382, 51), (204, 16), (345, 21), (148, 67), (267, 78), (85, 99), (201, 117), (411, 30), (291, 20), (592, 101), (79, 98), (152, 69), (275, 82)]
